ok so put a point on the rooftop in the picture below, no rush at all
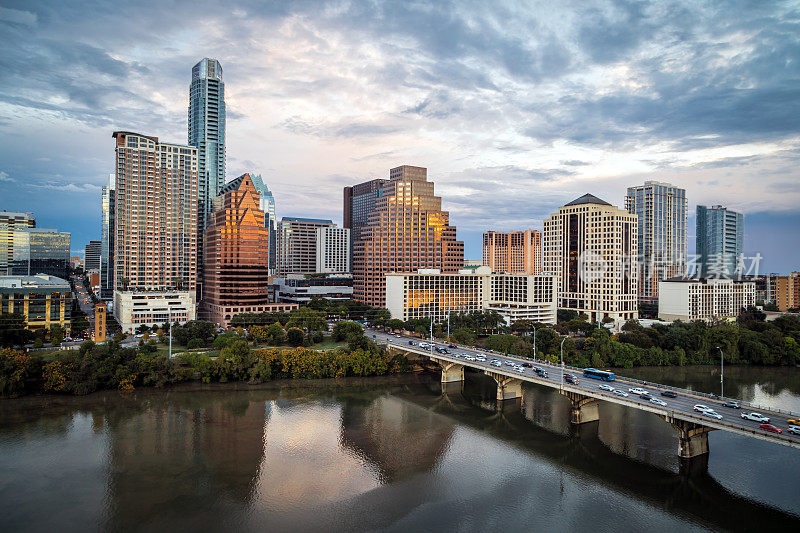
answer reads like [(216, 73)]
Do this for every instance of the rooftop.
[(587, 199), (32, 282), (309, 220)]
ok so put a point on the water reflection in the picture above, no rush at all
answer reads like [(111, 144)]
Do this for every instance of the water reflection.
[(397, 454)]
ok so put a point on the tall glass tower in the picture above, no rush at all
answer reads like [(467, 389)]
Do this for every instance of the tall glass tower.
[(720, 239), (107, 230), (267, 204), (207, 134)]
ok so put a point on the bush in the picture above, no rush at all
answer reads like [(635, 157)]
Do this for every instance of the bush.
[(294, 336), (195, 343)]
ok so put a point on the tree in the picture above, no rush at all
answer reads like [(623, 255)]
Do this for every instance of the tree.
[(294, 336), (13, 330), (345, 329), (56, 335), (308, 319), (275, 334), (194, 344), (395, 324), (464, 336)]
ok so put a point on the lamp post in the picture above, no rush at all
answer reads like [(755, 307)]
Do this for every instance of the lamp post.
[(721, 372), (562, 363), (169, 317), (535, 353)]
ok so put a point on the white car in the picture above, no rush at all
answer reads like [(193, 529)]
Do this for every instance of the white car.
[(756, 417), (603, 386), (702, 408), (713, 414), (620, 392), (658, 401), (638, 391), (498, 364), (794, 429)]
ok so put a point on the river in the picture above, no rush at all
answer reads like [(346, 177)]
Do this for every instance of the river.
[(388, 454)]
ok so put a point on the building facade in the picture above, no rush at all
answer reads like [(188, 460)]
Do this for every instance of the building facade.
[(514, 252), (302, 288), (155, 214), (359, 203), (267, 204), (429, 293), (43, 300), (41, 251), (9, 222), (207, 135), (297, 244), (788, 292), (720, 241), (590, 245), (406, 231), (107, 231), (99, 322), (91, 256), (333, 250), (662, 216), (689, 299), (236, 271), (133, 309)]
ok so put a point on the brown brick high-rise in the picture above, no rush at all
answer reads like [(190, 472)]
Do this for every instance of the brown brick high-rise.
[(407, 231)]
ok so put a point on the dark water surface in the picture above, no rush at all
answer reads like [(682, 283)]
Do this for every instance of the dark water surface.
[(395, 454)]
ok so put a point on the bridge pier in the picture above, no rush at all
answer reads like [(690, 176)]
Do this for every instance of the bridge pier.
[(507, 388), (451, 372), (692, 438), (584, 408)]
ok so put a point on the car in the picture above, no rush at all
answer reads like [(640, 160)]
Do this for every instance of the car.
[(770, 427), (620, 392), (527, 365), (603, 386), (645, 396), (702, 408), (732, 404), (756, 417), (713, 414), (451, 345), (410, 343), (498, 364), (658, 401), (569, 378), (794, 429), (793, 422), (668, 394), (543, 374), (638, 391)]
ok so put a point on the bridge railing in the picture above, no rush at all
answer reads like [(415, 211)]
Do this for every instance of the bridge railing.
[(649, 384)]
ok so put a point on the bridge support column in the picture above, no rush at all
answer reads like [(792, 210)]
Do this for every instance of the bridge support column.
[(451, 372), (692, 438), (584, 408), (507, 388)]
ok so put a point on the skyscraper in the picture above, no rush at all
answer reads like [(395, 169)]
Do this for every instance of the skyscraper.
[(661, 237), (359, 202), (8, 223), (207, 134), (720, 241), (155, 213), (41, 251), (515, 252), (591, 246), (107, 209), (236, 268), (333, 250), (267, 205), (297, 244), (91, 256), (406, 231)]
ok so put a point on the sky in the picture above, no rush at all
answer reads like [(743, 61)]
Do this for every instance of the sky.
[(515, 108)]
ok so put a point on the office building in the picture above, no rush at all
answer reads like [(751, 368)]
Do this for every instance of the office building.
[(591, 246), (91, 256), (10, 221), (514, 252), (333, 250), (359, 203), (661, 212), (236, 271), (267, 204), (207, 134), (687, 299), (302, 288), (107, 231), (133, 309), (42, 299), (788, 292), (429, 293), (406, 231), (720, 241), (155, 214), (297, 244), (41, 251)]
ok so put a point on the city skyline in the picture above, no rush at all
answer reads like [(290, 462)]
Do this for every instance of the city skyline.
[(510, 126)]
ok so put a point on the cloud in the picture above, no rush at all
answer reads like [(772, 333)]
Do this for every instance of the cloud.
[(5, 177), (67, 187)]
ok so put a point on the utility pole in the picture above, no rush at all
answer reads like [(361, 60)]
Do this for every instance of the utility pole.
[(721, 373), (169, 314), (448, 326), (535, 353), (562, 363)]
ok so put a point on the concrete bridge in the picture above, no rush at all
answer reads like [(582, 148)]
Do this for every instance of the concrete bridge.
[(692, 426)]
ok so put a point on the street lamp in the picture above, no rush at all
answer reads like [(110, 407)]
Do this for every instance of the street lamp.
[(169, 315), (721, 372), (534, 344), (562, 363)]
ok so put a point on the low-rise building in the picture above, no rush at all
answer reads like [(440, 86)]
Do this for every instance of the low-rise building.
[(43, 300), (788, 291), (430, 293), (99, 322), (302, 288), (689, 299), (133, 309)]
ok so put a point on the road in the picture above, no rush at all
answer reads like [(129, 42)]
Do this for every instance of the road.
[(681, 407), (85, 303)]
